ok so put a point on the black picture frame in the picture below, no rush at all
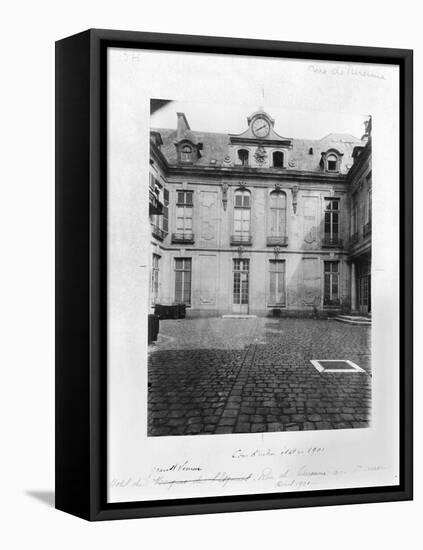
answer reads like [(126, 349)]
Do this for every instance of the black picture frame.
[(81, 256)]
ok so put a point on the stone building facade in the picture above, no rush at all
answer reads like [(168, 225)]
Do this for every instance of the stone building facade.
[(258, 223)]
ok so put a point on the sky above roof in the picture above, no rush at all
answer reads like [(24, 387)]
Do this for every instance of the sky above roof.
[(232, 119)]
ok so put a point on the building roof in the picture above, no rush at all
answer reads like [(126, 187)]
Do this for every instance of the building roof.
[(305, 154)]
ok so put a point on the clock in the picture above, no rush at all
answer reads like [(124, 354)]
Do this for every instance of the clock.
[(260, 127)]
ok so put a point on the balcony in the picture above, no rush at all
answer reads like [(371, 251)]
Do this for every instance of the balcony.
[(185, 237), (241, 239), (331, 241), (277, 241), (367, 229), (354, 238), (158, 232), (155, 206)]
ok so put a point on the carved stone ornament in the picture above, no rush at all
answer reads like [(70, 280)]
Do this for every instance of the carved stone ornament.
[(278, 186), (240, 250), (260, 155), (277, 251), (225, 188), (242, 184), (310, 237)]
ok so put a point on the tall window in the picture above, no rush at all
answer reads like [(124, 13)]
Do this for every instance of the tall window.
[(242, 215), (241, 281), (243, 157), (277, 283), (331, 290), (332, 163), (278, 159), (165, 220), (184, 207), (155, 279), (183, 280), (332, 221), (363, 275), (186, 153), (277, 214)]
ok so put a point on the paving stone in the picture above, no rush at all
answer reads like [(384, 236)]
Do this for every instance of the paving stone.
[(323, 426), (242, 427), (224, 430), (194, 429), (228, 421), (314, 418), (228, 413), (275, 427), (258, 427)]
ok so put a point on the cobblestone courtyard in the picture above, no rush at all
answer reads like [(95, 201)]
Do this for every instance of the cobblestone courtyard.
[(214, 376)]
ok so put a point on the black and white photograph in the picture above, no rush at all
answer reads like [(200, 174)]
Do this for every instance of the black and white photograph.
[(253, 266), (260, 295)]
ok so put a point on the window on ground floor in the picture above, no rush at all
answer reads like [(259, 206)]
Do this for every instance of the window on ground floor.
[(241, 269), (183, 280), (155, 279), (331, 278), (277, 283)]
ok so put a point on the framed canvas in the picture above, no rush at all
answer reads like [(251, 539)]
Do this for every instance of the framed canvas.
[(234, 274)]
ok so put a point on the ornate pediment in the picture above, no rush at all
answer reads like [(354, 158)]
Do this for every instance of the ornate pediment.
[(260, 131)]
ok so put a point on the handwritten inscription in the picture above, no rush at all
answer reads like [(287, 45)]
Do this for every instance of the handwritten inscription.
[(345, 70), (179, 467), (259, 468), (292, 478), (294, 451)]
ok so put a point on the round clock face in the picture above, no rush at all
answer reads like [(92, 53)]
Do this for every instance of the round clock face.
[(261, 127)]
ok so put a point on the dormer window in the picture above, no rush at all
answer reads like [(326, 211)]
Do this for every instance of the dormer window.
[(278, 159), (243, 157), (186, 153), (332, 163)]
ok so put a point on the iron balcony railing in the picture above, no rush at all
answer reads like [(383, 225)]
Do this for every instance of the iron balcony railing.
[(158, 232), (185, 237), (332, 241), (277, 241), (241, 239), (367, 229)]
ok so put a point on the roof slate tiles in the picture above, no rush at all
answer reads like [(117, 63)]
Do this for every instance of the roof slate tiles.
[(216, 146)]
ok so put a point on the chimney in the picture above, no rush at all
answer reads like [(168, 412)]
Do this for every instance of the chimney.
[(182, 125)]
